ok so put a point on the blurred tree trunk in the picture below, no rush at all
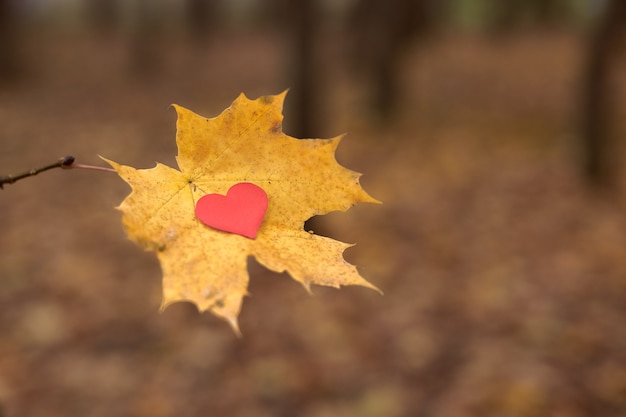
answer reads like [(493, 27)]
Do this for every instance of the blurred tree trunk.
[(304, 90), (549, 12), (507, 16), (597, 104), (144, 32), (8, 42), (104, 15), (381, 31), (200, 17)]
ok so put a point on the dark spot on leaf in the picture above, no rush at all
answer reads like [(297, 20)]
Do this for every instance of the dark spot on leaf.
[(276, 128)]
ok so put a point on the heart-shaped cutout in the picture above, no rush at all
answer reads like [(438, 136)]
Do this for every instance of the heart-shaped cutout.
[(240, 211)]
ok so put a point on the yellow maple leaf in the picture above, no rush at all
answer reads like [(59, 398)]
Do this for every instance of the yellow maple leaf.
[(300, 178)]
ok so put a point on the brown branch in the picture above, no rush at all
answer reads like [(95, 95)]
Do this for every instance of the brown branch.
[(67, 162)]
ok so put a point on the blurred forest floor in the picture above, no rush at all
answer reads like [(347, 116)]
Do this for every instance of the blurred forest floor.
[(504, 274)]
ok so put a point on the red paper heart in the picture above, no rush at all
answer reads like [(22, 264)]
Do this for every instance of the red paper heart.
[(240, 211)]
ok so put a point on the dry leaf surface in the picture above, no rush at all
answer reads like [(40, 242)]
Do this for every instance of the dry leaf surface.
[(243, 144)]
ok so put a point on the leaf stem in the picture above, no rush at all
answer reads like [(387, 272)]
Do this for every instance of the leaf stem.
[(66, 162), (92, 167)]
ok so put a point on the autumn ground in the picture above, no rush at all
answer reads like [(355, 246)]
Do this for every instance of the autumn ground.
[(504, 275)]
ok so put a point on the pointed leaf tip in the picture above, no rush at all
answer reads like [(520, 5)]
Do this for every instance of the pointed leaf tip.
[(234, 324)]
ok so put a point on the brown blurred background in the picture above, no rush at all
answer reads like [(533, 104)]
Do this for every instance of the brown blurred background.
[(492, 130)]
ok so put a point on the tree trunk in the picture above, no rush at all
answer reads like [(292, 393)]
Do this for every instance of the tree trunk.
[(597, 104), (381, 30), (200, 15), (104, 15), (144, 51), (303, 94), (8, 42)]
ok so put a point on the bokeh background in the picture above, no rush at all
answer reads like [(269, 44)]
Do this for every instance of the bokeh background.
[(493, 131)]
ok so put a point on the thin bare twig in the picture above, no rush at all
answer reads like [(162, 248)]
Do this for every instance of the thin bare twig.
[(67, 162)]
